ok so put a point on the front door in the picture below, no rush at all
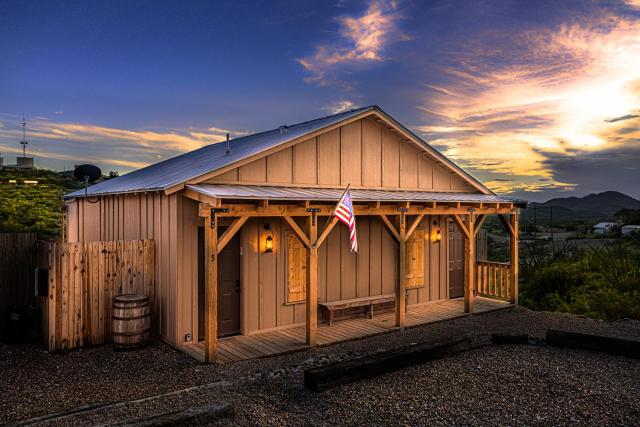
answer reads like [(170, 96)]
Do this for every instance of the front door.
[(228, 286), (456, 261)]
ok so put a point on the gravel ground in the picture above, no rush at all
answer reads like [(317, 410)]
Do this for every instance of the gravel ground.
[(492, 385)]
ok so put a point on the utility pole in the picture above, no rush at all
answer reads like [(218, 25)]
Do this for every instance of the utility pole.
[(535, 224), (553, 245), (525, 236)]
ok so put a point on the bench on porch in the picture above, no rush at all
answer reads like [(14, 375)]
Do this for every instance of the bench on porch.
[(329, 308)]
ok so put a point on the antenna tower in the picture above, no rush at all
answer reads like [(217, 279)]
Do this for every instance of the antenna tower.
[(24, 137)]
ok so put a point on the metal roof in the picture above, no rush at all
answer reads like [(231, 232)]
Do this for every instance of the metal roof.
[(185, 167), (261, 192), (176, 170)]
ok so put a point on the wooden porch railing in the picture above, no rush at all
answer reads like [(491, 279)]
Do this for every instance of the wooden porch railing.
[(492, 279)]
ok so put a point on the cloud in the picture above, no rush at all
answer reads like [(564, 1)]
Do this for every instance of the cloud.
[(621, 118), (518, 109), (362, 40), (339, 107), (120, 149), (222, 131), (592, 170), (58, 112)]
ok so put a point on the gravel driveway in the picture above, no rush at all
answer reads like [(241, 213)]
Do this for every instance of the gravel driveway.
[(521, 385)]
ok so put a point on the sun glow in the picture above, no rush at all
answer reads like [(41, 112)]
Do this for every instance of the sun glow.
[(575, 91)]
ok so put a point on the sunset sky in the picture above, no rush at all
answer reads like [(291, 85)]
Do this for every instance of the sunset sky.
[(536, 98)]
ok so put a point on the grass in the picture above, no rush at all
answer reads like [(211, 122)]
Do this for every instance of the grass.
[(33, 207)]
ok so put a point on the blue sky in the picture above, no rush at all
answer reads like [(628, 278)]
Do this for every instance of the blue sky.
[(539, 98)]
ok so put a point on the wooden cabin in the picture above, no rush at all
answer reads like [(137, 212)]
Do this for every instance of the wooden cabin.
[(246, 245)]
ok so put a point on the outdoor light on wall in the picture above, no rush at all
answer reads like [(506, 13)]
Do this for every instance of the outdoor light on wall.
[(436, 233), (268, 241)]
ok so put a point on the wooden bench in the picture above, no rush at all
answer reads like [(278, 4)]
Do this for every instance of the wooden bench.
[(329, 308)]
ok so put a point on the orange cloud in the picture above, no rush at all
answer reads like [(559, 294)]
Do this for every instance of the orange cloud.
[(556, 97), (111, 147), (363, 40)]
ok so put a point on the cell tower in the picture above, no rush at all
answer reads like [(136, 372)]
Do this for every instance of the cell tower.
[(24, 142), (24, 162)]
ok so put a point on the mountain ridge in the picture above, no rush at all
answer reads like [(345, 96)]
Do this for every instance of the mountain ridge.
[(594, 206)]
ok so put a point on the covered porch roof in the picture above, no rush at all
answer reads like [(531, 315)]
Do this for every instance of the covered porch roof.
[(264, 192)]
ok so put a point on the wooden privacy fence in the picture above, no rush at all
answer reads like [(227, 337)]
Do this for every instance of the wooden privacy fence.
[(83, 280), (18, 252), (492, 279), (18, 260)]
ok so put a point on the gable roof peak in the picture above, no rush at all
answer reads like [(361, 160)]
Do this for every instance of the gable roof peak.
[(212, 157)]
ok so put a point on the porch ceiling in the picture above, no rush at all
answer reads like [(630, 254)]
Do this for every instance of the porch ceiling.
[(260, 192)]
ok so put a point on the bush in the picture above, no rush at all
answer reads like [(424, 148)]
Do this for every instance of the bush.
[(602, 283)]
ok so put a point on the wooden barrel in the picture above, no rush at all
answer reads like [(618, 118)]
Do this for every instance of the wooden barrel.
[(131, 321)]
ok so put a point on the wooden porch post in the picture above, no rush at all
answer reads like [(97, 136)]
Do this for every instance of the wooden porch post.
[(211, 286), (470, 259), (513, 258), (312, 282), (401, 289)]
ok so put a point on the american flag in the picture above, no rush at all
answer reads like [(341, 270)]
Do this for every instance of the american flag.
[(344, 213)]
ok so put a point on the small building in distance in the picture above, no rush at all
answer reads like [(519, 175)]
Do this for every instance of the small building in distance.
[(22, 163), (602, 228), (627, 230)]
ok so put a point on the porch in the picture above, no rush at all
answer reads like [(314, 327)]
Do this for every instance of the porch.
[(409, 221), (244, 347)]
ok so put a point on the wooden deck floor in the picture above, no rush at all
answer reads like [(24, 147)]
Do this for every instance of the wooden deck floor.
[(243, 347)]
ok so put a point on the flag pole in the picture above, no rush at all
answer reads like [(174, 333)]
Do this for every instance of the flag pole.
[(335, 207), (340, 199)]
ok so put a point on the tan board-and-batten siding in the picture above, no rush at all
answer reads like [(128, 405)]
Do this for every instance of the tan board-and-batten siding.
[(363, 153), (341, 273), (171, 221)]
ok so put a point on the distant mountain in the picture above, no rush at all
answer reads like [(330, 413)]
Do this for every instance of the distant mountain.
[(595, 207)]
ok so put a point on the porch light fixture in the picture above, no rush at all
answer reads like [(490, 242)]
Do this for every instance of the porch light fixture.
[(436, 233), (268, 241)]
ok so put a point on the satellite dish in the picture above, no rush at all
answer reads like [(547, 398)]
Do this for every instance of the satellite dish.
[(87, 173)]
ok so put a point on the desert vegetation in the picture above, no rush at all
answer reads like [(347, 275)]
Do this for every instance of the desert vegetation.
[(601, 282)]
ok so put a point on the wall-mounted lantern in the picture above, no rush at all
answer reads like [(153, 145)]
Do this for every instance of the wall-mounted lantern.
[(268, 241), (436, 233)]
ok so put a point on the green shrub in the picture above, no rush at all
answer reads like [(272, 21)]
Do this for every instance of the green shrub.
[(602, 283)]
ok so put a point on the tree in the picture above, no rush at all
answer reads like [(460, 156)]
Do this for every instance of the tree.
[(628, 216)]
